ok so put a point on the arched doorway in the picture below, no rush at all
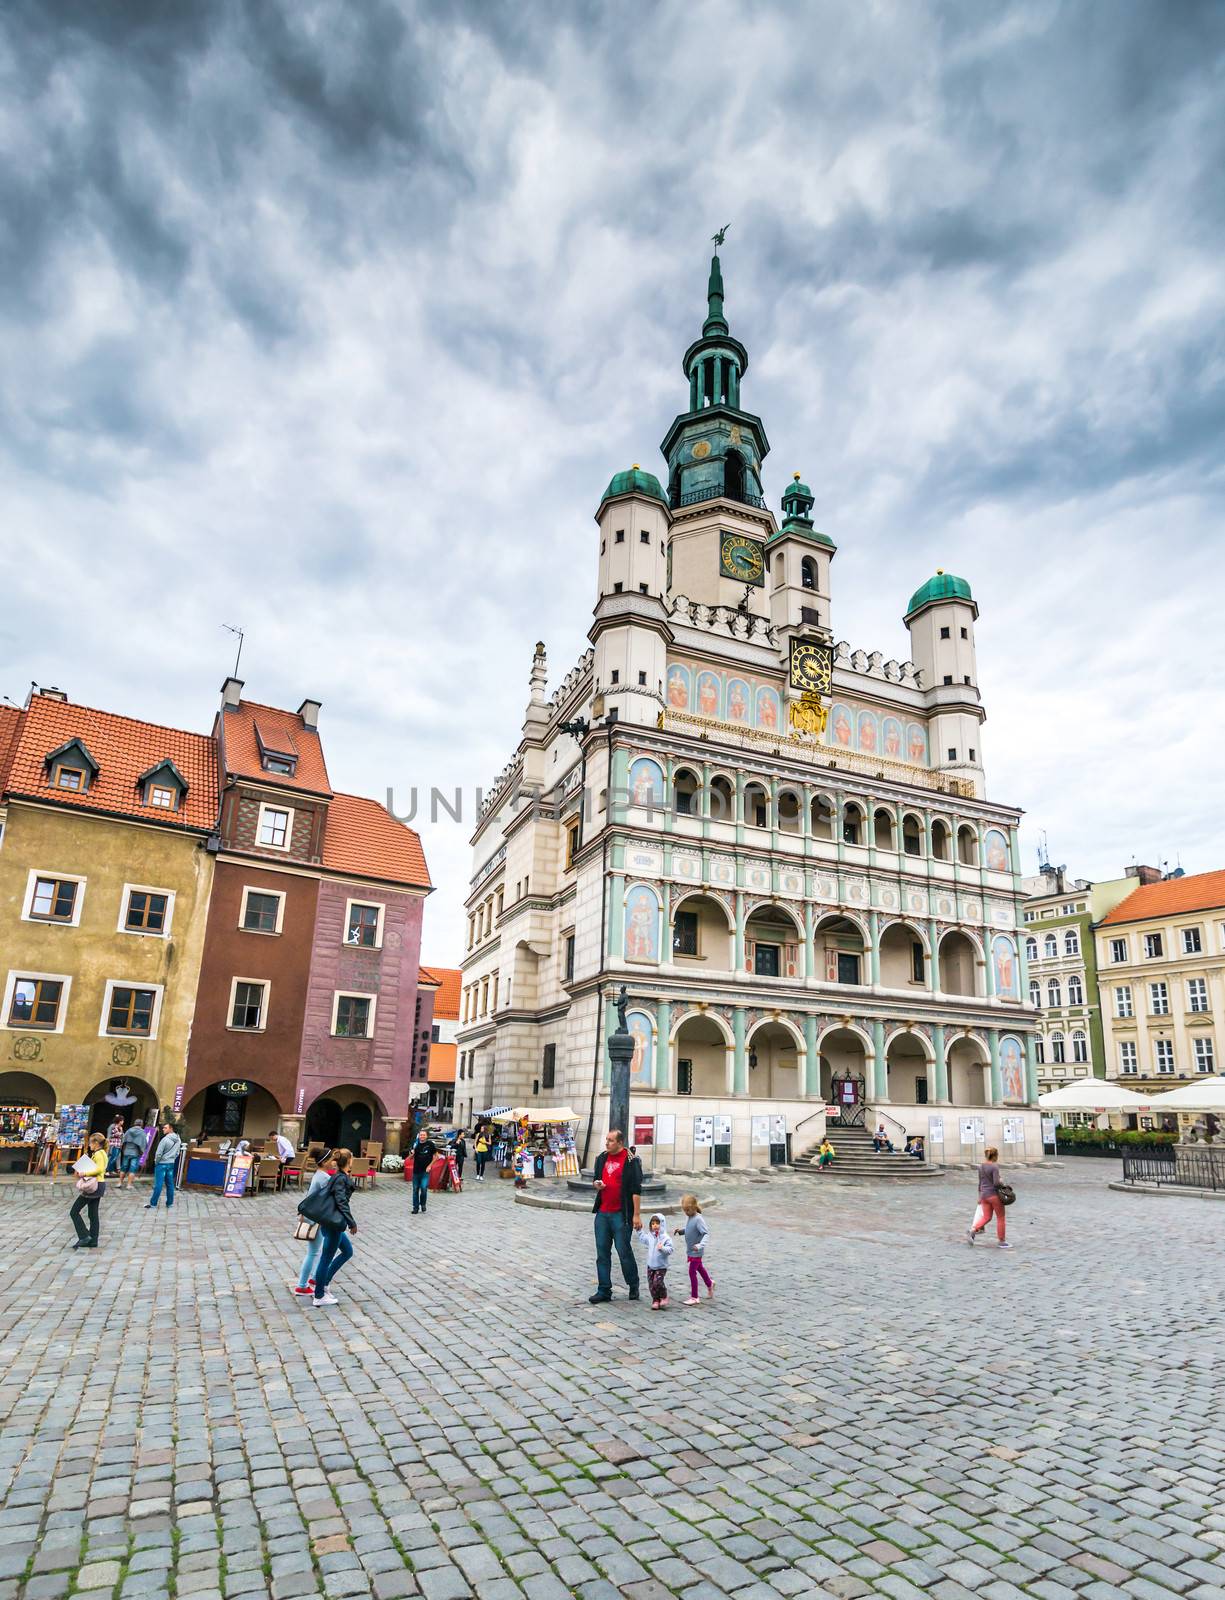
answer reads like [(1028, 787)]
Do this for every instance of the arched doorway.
[(968, 1063), (323, 1122), (774, 1062), (21, 1095), (702, 1057), (231, 1109), (906, 1061), (844, 1076), (347, 1116), (840, 951), (131, 1099)]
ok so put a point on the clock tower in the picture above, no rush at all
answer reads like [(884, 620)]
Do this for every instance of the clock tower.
[(714, 452)]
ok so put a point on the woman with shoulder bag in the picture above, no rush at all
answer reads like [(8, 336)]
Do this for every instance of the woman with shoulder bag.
[(91, 1186), (991, 1198), (311, 1231), (329, 1207)]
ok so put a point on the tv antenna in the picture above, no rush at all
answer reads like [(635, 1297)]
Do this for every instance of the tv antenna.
[(229, 628), (1044, 855)]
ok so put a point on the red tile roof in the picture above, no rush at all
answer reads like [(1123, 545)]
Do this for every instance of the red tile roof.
[(426, 976), (10, 726), (1203, 891), (242, 746), (123, 748), (446, 1001), (362, 837), (441, 1067)]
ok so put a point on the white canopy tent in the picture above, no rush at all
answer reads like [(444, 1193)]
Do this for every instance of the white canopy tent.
[(1096, 1094), (1204, 1094)]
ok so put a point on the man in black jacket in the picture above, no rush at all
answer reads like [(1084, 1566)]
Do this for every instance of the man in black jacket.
[(618, 1215), (424, 1151)]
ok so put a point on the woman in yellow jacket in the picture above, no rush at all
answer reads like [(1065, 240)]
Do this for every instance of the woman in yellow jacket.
[(91, 1186)]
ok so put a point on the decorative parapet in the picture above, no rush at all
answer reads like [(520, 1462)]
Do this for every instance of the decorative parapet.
[(572, 680), (740, 624), (872, 664), (509, 772)]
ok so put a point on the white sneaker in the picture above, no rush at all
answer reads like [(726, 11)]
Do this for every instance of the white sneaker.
[(325, 1299)]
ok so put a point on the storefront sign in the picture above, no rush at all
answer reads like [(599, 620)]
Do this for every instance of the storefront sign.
[(236, 1178), (235, 1088), (177, 1103), (300, 1102), (644, 1130)]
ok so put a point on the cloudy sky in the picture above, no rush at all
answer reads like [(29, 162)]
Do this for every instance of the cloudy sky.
[(333, 321)]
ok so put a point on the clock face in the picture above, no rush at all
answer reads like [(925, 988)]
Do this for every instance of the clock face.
[(812, 666), (741, 558)]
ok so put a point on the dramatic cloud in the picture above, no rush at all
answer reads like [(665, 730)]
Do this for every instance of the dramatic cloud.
[(334, 320)]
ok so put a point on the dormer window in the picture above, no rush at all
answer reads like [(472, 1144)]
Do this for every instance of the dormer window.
[(71, 768), (162, 787), (280, 764), (277, 751)]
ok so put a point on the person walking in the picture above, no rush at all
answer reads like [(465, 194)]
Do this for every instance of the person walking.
[(659, 1255), (989, 1199), (90, 1169), (618, 1215), (460, 1151), (424, 1151), (480, 1149), (695, 1232), (131, 1154), (165, 1161), (325, 1170), (114, 1140), (334, 1230)]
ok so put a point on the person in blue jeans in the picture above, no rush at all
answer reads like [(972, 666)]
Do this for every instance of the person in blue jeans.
[(131, 1154), (423, 1153), (165, 1160), (618, 1215), (334, 1231)]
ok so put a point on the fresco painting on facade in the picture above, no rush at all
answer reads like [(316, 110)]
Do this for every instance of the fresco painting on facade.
[(710, 696), (739, 701), (1004, 954), (768, 714), (916, 743), (997, 850), (1012, 1068), (678, 687), (646, 783), (642, 1031), (641, 924), (842, 727), (867, 732), (891, 738)]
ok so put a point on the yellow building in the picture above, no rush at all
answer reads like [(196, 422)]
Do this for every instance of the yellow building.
[(1161, 974), (104, 884)]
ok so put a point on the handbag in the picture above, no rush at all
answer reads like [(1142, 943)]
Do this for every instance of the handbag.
[(87, 1185), (319, 1207), (1005, 1193), (305, 1229)]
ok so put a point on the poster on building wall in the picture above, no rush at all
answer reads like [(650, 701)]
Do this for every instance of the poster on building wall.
[(703, 1132), (723, 1130), (761, 1130), (644, 1131), (967, 1130), (665, 1130), (1048, 1131), (778, 1130), (935, 1131), (980, 1130)]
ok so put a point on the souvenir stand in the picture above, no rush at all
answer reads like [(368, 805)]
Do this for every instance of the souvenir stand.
[(535, 1142)]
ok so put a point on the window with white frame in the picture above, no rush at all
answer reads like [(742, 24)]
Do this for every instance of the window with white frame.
[(1205, 1056), (1054, 996), (275, 830), (54, 897), (143, 909), (1035, 993), (1076, 990), (1191, 942), (1163, 1050), (37, 1000), (261, 911), (1050, 946), (248, 1011), (1153, 946), (1071, 942), (1122, 1000), (130, 1010), (1197, 994), (1080, 1047), (1039, 1049), (1128, 1064), (1118, 950), (1057, 1047), (364, 924), (352, 1015), (1159, 999), (1031, 949)]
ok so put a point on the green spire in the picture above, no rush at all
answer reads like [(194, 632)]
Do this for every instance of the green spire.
[(715, 322)]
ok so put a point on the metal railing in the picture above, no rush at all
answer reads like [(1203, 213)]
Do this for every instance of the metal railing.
[(716, 492), (1177, 1169)]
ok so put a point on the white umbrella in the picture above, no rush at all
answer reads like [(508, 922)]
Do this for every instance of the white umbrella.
[(1093, 1094), (1205, 1094)]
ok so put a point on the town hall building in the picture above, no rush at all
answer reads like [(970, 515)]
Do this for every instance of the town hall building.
[(781, 844)]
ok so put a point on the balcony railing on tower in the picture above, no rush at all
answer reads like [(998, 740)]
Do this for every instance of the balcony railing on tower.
[(716, 492)]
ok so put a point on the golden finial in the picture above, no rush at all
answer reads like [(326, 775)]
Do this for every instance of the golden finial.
[(796, 476)]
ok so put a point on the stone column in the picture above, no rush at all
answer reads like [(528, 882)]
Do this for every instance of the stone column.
[(1031, 1071), (997, 1091), (618, 785), (740, 921), (620, 1054), (874, 947), (880, 1067), (809, 946), (839, 842), (393, 1135), (740, 1073), (942, 1069), (988, 965), (663, 1049), (812, 1057), (933, 976), (616, 916), (704, 804)]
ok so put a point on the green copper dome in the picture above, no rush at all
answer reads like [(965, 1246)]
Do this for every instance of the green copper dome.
[(944, 586), (635, 481)]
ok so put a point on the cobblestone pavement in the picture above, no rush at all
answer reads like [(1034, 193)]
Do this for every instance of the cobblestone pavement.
[(867, 1407)]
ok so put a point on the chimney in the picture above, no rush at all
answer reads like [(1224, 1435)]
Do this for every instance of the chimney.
[(231, 694), (53, 694), (1144, 874), (309, 712)]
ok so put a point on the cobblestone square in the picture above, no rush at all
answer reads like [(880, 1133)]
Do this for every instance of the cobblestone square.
[(867, 1406)]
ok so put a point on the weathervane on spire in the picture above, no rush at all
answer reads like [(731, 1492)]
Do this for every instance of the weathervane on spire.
[(719, 237)]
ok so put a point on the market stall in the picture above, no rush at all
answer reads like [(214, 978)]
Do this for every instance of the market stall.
[(535, 1142)]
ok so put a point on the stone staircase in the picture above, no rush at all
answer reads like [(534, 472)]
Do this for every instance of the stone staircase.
[(855, 1158)]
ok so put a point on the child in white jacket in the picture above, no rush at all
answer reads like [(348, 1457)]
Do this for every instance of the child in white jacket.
[(659, 1251)]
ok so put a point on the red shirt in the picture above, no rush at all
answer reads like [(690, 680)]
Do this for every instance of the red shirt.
[(614, 1170)]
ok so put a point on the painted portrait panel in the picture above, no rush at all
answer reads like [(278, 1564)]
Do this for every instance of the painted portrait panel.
[(1004, 955), (1012, 1068), (997, 850), (891, 738), (868, 736), (842, 727), (646, 782), (768, 711), (709, 693), (641, 924), (739, 701), (642, 1030), (678, 687), (916, 743)]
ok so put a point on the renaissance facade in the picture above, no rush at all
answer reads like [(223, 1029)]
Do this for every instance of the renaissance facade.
[(780, 844)]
